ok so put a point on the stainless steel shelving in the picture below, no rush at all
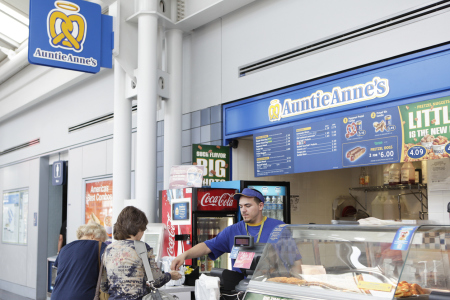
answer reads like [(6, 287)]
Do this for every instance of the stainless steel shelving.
[(419, 191)]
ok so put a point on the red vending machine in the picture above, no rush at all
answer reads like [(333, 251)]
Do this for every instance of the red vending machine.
[(193, 215)]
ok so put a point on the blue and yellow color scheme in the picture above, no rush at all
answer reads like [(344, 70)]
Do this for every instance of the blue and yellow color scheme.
[(70, 35)]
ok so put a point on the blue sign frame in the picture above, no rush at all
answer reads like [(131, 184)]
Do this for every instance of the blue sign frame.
[(71, 35), (335, 122), (412, 78)]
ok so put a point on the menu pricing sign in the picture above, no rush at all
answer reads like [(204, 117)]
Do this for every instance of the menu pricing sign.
[(215, 159), (426, 129)]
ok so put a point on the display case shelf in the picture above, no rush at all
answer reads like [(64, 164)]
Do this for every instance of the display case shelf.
[(353, 262), (389, 187), (419, 191)]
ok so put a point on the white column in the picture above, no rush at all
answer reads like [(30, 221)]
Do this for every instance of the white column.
[(121, 142), (146, 115), (172, 108)]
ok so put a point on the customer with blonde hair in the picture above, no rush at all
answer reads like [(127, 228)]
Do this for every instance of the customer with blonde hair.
[(123, 275), (78, 264)]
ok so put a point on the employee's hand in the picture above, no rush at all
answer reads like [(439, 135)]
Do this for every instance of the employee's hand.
[(177, 262), (175, 275)]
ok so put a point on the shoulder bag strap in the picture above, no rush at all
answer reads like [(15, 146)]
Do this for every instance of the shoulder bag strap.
[(99, 250), (99, 280), (142, 252)]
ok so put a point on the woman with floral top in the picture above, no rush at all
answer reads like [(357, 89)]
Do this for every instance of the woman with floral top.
[(123, 275)]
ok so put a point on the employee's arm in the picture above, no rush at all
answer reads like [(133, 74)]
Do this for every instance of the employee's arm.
[(60, 242), (196, 251)]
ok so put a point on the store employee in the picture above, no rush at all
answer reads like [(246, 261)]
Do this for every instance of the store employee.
[(251, 203)]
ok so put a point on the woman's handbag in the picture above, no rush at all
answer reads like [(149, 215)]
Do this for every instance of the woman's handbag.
[(154, 294), (99, 294)]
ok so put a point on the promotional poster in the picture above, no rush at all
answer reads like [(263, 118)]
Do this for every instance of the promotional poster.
[(215, 159), (99, 200)]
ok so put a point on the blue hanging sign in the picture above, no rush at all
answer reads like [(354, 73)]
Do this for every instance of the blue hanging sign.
[(71, 35)]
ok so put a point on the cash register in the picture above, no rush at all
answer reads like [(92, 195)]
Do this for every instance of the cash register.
[(233, 283)]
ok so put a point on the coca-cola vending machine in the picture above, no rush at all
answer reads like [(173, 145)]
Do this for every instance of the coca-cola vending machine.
[(194, 215)]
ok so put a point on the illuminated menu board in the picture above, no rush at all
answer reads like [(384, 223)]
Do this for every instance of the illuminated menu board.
[(273, 152)]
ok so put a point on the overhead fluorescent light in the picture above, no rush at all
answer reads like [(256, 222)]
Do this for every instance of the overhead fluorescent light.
[(14, 14), (12, 28)]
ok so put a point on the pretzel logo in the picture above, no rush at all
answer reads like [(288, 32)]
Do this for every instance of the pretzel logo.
[(66, 30), (275, 110)]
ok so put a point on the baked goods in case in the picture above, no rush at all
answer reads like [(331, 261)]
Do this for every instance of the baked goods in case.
[(405, 289)]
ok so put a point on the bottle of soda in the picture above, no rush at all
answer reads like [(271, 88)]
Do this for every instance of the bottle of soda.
[(210, 264), (217, 263), (216, 228), (200, 231), (210, 229), (203, 263)]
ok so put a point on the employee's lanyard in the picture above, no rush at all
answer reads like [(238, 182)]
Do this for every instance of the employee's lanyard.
[(260, 230)]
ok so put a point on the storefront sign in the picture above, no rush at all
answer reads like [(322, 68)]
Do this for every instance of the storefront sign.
[(99, 201), (215, 159), (319, 100), (412, 132), (186, 176), (70, 35)]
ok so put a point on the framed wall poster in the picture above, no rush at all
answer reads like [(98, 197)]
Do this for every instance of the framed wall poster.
[(15, 216), (98, 198)]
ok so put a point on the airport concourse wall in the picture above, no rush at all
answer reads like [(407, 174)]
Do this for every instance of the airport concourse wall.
[(89, 155), (214, 52)]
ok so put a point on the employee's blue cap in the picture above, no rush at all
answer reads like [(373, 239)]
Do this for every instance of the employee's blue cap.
[(249, 193)]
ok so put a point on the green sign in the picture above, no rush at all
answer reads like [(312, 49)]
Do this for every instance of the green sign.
[(426, 129), (254, 296), (215, 159)]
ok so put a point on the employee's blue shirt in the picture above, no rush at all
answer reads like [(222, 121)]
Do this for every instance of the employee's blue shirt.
[(77, 265), (224, 241)]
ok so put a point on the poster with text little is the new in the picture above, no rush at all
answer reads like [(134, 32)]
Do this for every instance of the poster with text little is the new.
[(426, 130)]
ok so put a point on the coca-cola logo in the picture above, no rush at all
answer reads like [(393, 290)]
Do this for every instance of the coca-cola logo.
[(225, 199), (171, 229)]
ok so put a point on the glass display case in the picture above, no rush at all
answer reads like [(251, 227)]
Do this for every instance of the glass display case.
[(353, 262)]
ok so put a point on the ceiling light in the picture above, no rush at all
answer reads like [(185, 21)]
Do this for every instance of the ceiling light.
[(14, 14), (12, 28)]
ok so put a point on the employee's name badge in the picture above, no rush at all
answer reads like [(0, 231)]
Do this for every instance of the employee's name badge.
[(234, 252)]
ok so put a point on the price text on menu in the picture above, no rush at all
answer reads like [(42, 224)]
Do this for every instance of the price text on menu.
[(317, 147), (273, 152)]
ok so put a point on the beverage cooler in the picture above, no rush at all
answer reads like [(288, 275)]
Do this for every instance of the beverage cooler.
[(194, 215), (276, 193)]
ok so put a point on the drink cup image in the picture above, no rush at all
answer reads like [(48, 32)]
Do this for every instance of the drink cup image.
[(388, 120), (359, 125), (108, 224)]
